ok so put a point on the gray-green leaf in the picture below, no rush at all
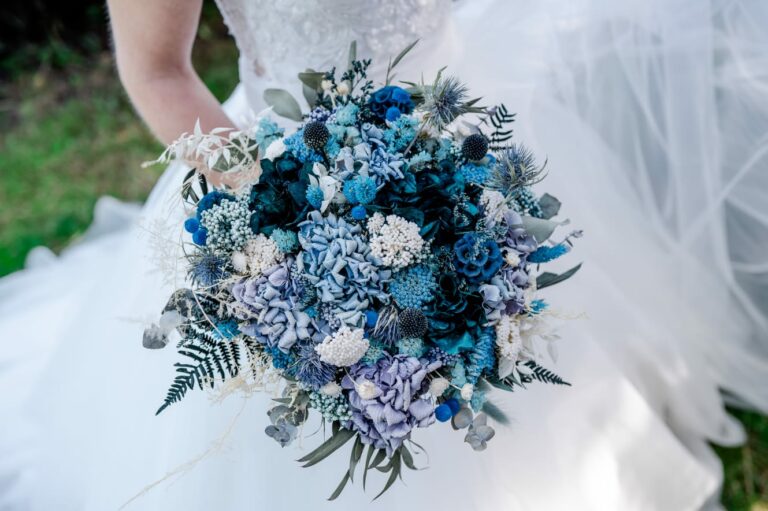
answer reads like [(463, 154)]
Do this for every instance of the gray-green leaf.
[(283, 103)]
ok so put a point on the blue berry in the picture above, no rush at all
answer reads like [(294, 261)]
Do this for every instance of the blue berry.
[(359, 213), (454, 405), (191, 225), (443, 412), (371, 317), (200, 236)]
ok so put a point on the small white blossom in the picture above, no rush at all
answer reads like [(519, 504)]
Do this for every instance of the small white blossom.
[(397, 243), (438, 386), (326, 85), (375, 223), (275, 149), (367, 390), (240, 262), (343, 89), (508, 343), (331, 389), (466, 391), (344, 348), (262, 254), (494, 205), (511, 257)]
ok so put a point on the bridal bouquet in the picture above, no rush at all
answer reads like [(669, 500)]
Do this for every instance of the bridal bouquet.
[(379, 265)]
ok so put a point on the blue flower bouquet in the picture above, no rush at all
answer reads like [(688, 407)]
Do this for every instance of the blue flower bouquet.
[(380, 266)]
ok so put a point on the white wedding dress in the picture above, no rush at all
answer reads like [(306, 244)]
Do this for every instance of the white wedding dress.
[(651, 114)]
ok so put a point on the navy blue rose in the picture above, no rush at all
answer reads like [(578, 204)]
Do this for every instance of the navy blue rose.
[(478, 259), (389, 102)]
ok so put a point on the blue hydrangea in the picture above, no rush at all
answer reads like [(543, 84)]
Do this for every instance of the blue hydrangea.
[(346, 115), (411, 347), (476, 257), (413, 286), (315, 196), (482, 357), (400, 133), (445, 150), (474, 173), (280, 360), (267, 132), (336, 260), (286, 241), (544, 253), (360, 190)]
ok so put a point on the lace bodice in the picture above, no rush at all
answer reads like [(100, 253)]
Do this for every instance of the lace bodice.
[(278, 39)]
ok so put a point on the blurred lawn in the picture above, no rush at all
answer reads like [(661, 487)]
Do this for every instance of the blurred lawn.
[(71, 137)]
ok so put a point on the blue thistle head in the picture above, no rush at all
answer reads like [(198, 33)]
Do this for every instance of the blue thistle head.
[(207, 269), (445, 101), (309, 369)]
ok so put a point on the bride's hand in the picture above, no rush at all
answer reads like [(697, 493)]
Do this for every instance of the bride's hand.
[(153, 47)]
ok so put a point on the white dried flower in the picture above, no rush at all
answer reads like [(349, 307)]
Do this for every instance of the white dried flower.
[(397, 243), (466, 391), (331, 389), (262, 253), (275, 150), (343, 89), (367, 390), (511, 257), (508, 344), (326, 85), (344, 348), (494, 205), (375, 223), (240, 262), (438, 386)]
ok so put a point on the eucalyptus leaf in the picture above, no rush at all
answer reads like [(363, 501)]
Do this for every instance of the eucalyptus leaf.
[(354, 457), (549, 205), (310, 95), (312, 78), (352, 55), (392, 476), (283, 103), (539, 228), (367, 464), (327, 448), (547, 279), (340, 487), (495, 413)]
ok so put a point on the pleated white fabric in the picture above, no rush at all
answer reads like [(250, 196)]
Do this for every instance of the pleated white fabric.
[(650, 116)]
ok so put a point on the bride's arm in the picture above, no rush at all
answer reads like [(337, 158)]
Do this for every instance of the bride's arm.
[(153, 47)]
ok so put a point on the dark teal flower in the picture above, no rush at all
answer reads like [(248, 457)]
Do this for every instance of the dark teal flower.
[(477, 258), (387, 97)]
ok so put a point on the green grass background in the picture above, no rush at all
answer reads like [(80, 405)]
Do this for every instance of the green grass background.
[(69, 136)]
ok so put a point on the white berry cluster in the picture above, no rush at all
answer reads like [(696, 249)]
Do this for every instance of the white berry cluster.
[(260, 254), (228, 225), (395, 240), (344, 348), (508, 338)]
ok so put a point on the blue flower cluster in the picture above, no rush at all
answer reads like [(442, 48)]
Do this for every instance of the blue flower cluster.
[(383, 265), (413, 287), (477, 258)]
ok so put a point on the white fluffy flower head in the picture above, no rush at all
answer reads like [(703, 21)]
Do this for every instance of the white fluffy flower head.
[(395, 241), (331, 389), (467, 391), (438, 386), (367, 390), (344, 348), (494, 205), (262, 253)]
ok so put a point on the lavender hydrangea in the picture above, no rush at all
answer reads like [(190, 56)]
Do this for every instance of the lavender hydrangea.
[(270, 305), (392, 404)]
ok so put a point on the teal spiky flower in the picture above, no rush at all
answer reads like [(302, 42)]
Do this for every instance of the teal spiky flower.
[(286, 241), (515, 169), (444, 101)]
